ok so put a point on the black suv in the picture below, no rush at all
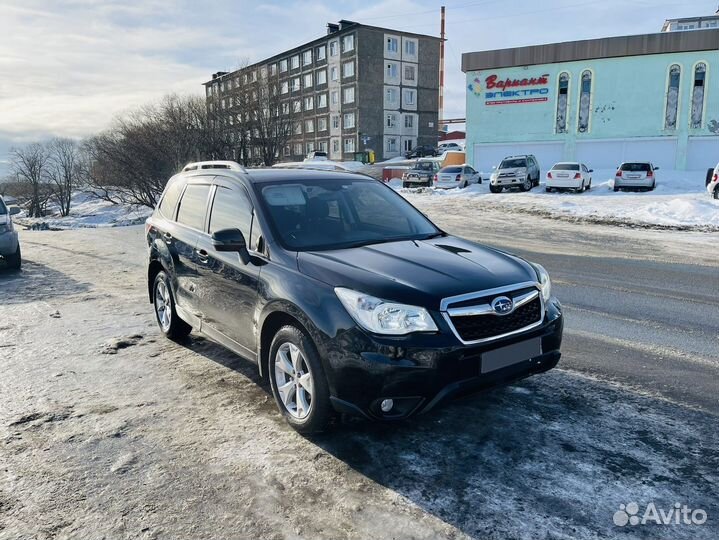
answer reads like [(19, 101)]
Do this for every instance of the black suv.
[(348, 298)]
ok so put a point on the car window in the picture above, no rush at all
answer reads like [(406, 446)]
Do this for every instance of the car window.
[(3, 209), (425, 165), (584, 168), (470, 170), (231, 209), (169, 199), (635, 167), (193, 206), (453, 170), (566, 167), (513, 163)]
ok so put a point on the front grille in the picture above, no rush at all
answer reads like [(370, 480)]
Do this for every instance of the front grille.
[(476, 327)]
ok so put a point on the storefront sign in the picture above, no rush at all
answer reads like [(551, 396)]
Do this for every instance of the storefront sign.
[(508, 91)]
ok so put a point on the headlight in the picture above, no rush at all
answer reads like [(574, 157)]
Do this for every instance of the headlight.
[(493, 177), (544, 282), (383, 317)]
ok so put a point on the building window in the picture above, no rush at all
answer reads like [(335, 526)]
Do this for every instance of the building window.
[(322, 76), (335, 121), (391, 144), (321, 101), (392, 46), (585, 101), (408, 145), (308, 80), (348, 120), (284, 87), (283, 66), (309, 103), (348, 69), (286, 108), (321, 53), (391, 71), (670, 114), (391, 120), (700, 73), (348, 43), (410, 73), (335, 145), (410, 48), (410, 97), (333, 73), (295, 62), (562, 102), (295, 84), (408, 121), (322, 146), (391, 95), (309, 126), (297, 106), (310, 147), (349, 145), (298, 128), (333, 48), (297, 149), (273, 69), (307, 58), (348, 95), (322, 123)]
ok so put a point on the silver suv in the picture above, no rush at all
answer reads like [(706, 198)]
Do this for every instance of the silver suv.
[(9, 244), (515, 171)]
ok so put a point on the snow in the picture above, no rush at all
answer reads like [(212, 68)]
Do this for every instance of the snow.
[(680, 200)]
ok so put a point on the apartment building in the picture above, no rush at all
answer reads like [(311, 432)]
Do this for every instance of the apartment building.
[(356, 88)]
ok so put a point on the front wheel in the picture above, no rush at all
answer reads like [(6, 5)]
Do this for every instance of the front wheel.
[(298, 381), (716, 192), (14, 261), (169, 322), (495, 189), (527, 184)]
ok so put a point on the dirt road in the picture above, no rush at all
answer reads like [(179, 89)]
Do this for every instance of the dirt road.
[(109, 431)]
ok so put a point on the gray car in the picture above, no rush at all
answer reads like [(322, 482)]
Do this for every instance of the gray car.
[(515, 171), (9, 244)]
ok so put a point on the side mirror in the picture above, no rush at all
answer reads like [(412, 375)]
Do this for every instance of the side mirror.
[(591, 170), (656, 168), (230, 240), (14, 210)]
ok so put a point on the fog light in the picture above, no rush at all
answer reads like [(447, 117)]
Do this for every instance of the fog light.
[(386, 405)]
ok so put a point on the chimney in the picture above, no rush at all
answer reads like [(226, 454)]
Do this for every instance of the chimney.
[(332, 28), (218, 75)]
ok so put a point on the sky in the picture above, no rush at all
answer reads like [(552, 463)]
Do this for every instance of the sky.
[(68, 67)]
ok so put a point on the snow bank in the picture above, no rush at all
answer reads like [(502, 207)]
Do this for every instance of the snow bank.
[(679, 200)]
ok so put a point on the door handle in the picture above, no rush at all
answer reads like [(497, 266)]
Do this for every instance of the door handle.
[(167, 236), (202, 255)]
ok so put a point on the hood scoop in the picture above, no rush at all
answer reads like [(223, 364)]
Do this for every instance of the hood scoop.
[(453, 249)]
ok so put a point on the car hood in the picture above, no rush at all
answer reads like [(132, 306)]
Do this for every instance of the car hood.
[(419, 272)]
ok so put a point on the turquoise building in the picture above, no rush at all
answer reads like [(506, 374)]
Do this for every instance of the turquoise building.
[(650, 97)]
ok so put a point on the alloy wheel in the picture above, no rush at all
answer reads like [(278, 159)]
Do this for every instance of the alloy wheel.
[(163, 305), (294, 380)]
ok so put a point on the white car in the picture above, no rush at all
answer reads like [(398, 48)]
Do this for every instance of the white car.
[(713, 185), (569, 175), (443, 147), (454, 176), (636, 174)]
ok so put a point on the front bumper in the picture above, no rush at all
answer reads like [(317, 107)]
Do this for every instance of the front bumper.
[(8, 243), (509, 181), (420, 372), (418, 180)]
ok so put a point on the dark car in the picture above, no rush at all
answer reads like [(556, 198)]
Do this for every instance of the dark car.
[(348, 298), (421, 151), (9, 243), (422, 174)]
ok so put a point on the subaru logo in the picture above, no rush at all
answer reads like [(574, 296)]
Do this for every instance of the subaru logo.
[(502, 305)]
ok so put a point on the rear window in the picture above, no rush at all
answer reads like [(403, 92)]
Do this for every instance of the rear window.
[(194, 206), (169, 199), (513, 163), (635, 167), (425, 165), (451, 170), (566, 167)]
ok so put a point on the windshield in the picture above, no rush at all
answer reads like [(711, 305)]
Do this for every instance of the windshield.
[(3, 210), (339, 213), (566, 167), (513, 163), (635, 167)]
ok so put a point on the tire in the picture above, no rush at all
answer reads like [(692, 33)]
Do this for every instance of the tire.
[(464, 184), (548, 189), (495, 189), (292, 352), (527, 184), (14, 261), (654, 186), (716, 192), (163, 301), (616, 188), (710, 175)]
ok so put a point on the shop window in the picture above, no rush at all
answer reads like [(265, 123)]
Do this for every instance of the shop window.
[(700, 72), (562, 102), (670, 114), (585, 101)]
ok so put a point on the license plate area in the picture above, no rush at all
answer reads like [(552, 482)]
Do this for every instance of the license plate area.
[(510, 355)]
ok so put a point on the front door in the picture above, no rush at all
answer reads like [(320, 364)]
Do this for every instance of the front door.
[(229, 288)]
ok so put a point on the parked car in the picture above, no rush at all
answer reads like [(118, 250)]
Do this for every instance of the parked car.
[(569, 175), (421, 174), (636, 175), (515, 171), (456, 176), (9, 243), (443, 147), (421, 151), (713, 184), (316, 155), (348, 298)]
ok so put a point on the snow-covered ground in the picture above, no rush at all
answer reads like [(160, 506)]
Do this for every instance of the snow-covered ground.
[(680, 200), (87, 211)]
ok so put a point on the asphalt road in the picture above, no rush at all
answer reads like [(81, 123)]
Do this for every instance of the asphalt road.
[(109, 431)]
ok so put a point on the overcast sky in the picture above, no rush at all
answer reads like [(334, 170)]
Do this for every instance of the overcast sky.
[(68, 67)]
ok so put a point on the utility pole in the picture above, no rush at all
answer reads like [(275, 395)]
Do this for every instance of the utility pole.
[(441, 69)]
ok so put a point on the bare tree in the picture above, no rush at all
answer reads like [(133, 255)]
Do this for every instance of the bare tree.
[(64, 171), (30, 165), (275, 121)]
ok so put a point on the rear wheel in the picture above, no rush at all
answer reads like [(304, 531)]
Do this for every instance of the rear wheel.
[(548, 189), (716, 192), (298, 381), (14, 261), (169, 322), (616, 188)]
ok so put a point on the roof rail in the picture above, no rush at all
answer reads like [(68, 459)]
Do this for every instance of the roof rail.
[(231, 165)]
